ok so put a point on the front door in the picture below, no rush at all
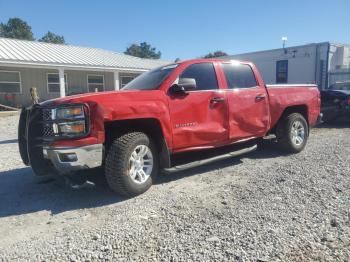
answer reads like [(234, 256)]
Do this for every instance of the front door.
[(199, 117), (249, 114)]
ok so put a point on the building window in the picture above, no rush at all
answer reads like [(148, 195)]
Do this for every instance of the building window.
[(53, 82), (95, 83), (124, 80), (282, 71), (239, 76), (10, 82)]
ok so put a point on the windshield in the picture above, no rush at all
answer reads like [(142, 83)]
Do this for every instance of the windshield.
[(340, 86), (151, 79)]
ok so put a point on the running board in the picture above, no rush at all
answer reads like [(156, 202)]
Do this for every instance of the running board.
[(210, 160)]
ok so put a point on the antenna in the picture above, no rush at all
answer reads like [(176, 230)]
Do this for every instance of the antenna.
[(284, 40)]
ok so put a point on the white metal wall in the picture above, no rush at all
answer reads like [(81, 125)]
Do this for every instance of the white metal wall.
[(339, 63), (304, 63)]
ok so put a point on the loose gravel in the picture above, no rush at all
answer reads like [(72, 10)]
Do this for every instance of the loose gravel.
[(263, 206)]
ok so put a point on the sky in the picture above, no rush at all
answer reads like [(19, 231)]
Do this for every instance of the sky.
[(186, 29)]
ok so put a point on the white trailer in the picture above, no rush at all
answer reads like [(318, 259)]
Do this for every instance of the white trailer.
[(321, 63)]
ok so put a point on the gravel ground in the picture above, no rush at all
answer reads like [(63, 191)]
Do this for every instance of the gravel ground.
[(264, 206)]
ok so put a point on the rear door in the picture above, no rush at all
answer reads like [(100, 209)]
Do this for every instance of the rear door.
[(199, 117), (247, 102)]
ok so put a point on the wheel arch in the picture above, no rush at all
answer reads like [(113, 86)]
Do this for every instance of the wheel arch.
[(150, 126), (301, 109)]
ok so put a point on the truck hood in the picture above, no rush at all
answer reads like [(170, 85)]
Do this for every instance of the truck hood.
[(117, 105), (102, 97)]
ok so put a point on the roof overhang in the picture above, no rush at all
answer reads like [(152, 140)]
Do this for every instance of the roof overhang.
[(11, 63)]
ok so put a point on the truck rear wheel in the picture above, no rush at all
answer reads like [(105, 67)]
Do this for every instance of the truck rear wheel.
[(292, 133), (131, 164)]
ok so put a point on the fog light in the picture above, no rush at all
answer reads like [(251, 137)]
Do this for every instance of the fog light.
[(68, 157)]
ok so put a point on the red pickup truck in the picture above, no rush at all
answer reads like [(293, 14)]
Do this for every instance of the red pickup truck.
[(187, 106)]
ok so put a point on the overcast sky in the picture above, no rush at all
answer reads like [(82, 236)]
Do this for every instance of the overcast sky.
[(185, 28)]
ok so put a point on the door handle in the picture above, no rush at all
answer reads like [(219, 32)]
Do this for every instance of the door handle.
[(260, 97), (217, 100)]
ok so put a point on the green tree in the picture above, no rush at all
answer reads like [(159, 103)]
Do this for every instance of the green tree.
[(215, 54), (143, 50), (16, 28), (50, 37)]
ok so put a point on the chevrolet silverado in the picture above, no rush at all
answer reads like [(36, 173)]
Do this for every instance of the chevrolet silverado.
[(135, 132)]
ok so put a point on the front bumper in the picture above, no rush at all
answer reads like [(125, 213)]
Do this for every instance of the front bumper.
[(70, 159), (45, 158)]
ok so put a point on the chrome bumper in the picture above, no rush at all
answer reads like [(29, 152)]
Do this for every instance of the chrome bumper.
[(69, 159)]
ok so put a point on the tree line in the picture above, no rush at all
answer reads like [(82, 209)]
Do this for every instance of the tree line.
[(19, 29)]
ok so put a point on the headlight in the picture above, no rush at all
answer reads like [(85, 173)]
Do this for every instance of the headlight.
[(70, 128), (66, 121), (68, 112)]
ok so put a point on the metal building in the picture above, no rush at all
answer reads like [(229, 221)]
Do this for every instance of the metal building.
[(321, 63)]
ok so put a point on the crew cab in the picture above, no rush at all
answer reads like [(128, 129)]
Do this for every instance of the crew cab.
[(188, 106)]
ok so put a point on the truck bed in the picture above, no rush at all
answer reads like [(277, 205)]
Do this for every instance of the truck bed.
[(282, 96)]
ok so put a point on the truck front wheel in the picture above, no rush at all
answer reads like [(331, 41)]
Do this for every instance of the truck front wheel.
[(131, 164), (292, 133)]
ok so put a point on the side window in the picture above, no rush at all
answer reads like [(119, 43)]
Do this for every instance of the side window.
[(239, 76), (204, 74), (282, 71), (95, 83), (10, 82), (124, 80), (53, 82)]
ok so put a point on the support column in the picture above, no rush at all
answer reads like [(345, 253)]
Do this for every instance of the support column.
[(116, 80), (62, 83)]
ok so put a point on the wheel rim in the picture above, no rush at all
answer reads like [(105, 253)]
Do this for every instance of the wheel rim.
[(141, 164), (298, 133)]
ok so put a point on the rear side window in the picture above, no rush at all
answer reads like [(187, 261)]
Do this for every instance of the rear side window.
[(239, 76), (204, 74)]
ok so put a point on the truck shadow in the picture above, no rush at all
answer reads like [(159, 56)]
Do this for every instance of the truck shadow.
[(335, 124), (270, 151), (21, 193)]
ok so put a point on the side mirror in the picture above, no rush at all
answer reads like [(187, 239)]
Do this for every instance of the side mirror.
[(176, 89), (184, 85)]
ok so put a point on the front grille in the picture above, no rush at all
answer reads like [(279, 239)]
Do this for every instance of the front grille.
[(39, 164), (47, 127), (47, 114), (48, 130)]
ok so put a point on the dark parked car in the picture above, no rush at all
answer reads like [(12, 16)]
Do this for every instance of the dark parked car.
[(336, 102)]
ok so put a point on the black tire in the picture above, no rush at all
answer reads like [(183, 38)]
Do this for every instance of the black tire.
[(284, 133), (117, 164)]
